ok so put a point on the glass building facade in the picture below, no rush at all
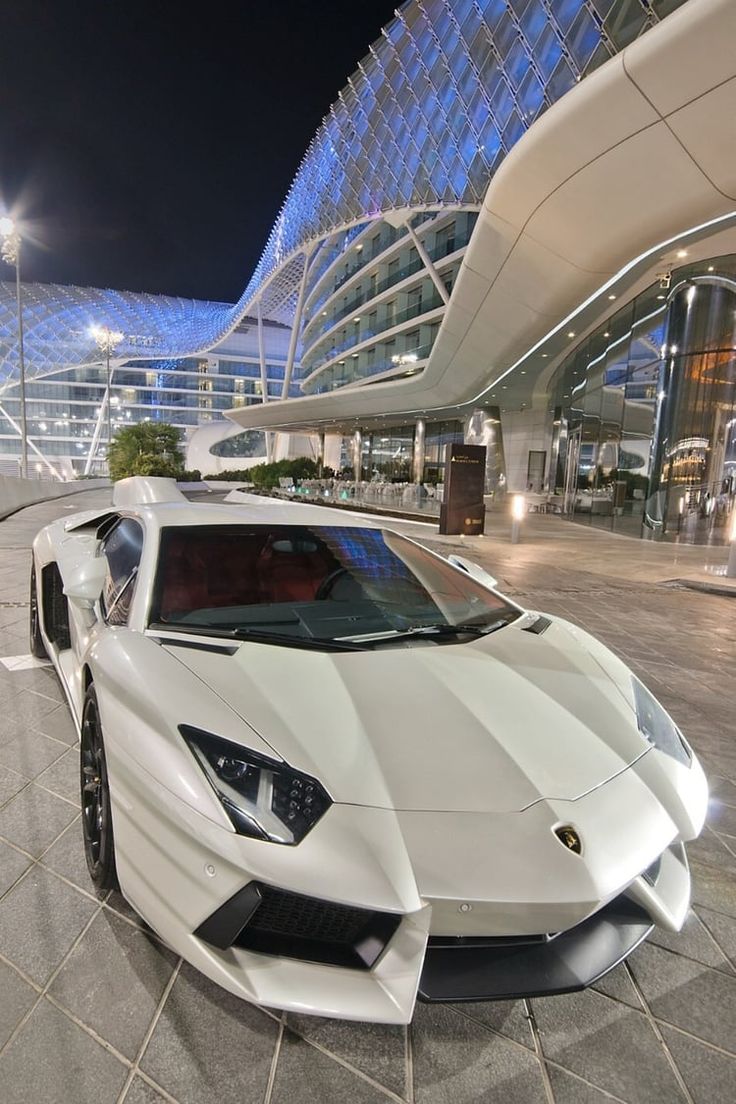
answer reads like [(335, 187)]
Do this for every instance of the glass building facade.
[(645, 412), (357, 271), (366, 250), (66, 374)]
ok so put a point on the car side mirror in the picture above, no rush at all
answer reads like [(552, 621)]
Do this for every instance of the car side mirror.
[(84, 583), (474, 570)]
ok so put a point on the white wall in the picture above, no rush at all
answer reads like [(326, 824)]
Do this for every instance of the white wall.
[(524, 431), (16, 493)]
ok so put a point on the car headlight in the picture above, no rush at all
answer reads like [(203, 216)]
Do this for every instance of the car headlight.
[(263, 797), (657, 726)]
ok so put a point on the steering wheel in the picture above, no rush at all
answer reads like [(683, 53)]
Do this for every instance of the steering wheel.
[(325, 587)]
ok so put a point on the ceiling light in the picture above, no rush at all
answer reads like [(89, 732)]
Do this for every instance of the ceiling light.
[(571, 334), (545, 354), (660, 296), (607, 334), (711, 268), (682, 252), (611, 296)]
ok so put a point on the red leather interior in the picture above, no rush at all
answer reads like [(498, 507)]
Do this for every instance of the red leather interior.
[(291, 576), (220, 570)]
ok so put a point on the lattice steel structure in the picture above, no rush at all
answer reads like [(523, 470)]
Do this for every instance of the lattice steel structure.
[(423, 123)]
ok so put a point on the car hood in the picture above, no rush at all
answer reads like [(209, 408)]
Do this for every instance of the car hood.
[(491, 725)]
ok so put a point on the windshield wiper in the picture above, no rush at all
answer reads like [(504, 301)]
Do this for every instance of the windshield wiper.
[(260, 636), (435, 631)]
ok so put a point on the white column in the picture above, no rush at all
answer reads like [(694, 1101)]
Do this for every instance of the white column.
[(102, 415), (357, 455), (425, 259), (418, 457), (264, 374), (295, 330)]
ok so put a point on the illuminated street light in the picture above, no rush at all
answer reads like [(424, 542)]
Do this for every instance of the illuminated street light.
[(107, 341), (10, 243)]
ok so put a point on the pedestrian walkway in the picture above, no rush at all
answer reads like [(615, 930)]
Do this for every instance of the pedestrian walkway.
[(94, 1010)]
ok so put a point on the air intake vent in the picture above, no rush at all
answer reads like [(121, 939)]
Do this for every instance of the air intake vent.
[(538, 626), (295, 926)]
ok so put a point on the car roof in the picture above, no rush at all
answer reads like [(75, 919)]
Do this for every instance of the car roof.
[(265, 512)]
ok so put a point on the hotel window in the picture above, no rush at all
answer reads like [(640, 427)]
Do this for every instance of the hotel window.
[(414, 302)]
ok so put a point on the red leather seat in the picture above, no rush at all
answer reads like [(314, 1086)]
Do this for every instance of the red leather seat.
[(290, 574), (184, 582)]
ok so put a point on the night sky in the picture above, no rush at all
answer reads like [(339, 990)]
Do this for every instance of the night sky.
[(150, 149)]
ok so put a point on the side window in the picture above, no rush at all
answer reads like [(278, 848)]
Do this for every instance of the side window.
[(122, 546)]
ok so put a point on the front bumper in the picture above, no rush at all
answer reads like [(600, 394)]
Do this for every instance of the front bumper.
[(178, 870)]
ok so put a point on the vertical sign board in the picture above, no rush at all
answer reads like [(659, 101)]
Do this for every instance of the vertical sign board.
[(463, 510)]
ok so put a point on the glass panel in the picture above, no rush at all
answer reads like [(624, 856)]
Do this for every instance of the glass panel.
[(626, 22)]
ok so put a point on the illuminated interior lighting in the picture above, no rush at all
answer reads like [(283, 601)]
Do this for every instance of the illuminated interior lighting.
[(518, 507)]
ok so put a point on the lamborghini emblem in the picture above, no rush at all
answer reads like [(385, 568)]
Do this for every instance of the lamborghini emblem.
[(569, 837)]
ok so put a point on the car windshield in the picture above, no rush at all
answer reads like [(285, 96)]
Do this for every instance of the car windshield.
[(315, 585)]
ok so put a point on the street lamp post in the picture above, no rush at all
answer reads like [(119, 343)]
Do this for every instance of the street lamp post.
[(10, 253), (107, 341)]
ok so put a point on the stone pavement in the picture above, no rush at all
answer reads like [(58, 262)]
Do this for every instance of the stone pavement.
[(94, 1010)]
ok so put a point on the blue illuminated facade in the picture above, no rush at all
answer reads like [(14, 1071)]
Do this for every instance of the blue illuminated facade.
[(160, 369), (364, 253)]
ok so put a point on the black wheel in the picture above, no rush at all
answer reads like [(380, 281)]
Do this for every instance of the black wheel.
[(99, 843), (38, 648)]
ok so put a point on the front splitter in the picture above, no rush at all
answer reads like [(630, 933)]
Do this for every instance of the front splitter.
[(572, 960)]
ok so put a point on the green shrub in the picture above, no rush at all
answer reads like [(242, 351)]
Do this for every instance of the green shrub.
[(266, 476), (148, 448)]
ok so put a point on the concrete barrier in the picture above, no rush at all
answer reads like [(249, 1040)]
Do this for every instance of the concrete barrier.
[(16, 493)]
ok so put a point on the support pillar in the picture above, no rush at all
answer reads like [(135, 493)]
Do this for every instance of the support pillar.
[(357, 455), (264, 375), (295, 330), (417, 466), (426, 261)]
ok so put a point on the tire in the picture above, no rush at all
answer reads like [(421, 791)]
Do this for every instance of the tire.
[(99, 841), (36, 644)]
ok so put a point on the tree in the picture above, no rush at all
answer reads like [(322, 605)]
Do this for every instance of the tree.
[(149, 448)]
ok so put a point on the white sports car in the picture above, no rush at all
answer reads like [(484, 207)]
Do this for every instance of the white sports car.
[(335, 770)]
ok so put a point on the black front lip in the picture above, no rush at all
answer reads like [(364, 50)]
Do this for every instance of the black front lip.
[(503, 970)]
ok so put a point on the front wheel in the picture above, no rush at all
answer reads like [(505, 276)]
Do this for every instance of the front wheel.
[(37, 646), (99, 843)]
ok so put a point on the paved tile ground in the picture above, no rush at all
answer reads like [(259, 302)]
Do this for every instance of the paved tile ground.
[(93, 1010)]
